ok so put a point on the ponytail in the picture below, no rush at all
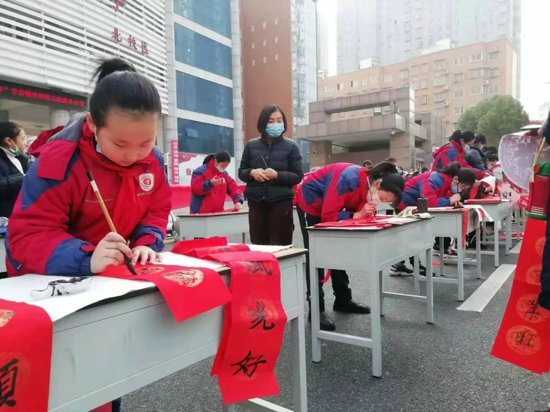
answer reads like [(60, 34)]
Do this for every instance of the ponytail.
[(221, 157), (381, 170), (120, 86), (459, 135), (451, 169)]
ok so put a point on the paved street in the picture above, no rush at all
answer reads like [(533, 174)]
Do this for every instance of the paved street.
[(445, 367)]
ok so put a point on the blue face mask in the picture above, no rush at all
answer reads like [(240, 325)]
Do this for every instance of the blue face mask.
[(454, 189), (467, 148), (399, 172), (275, 130)]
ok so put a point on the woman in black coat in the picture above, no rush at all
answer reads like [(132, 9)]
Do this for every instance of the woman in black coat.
[(13, 165), (271, 166)]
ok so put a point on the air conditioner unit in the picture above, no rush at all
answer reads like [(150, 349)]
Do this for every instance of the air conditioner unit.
[(446, 104), (486, 83), (446, 71), (446, 88)]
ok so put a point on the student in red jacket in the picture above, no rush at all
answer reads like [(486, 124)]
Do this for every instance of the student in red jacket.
[(455, 151), (210, 184), (337, 192), (57, 227)]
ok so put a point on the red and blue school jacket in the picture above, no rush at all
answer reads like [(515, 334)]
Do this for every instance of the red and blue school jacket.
[(334, 192), (205, 197), (453, 152), (434, 186), (57, 220)]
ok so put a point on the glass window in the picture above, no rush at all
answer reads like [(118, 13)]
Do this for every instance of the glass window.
[(439, 112), (204, 138), (388, 78), (440, 81), (353, 83), (459, 78), (203, 53), (425, 99), (476, 90), (414, 70), (494, 56), (214, 14), (459, 61), (476, 74), (404, 74), (424, 83), (440, 64), (374, 79), (458, 94), (476, 57), (458, 110), (425, 68), (494, 73), (440, 97), (494, 89), (201, 96)]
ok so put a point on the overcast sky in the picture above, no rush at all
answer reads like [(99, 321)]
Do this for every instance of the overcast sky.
[(535, 75)]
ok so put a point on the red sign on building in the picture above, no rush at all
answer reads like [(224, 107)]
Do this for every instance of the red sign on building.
[(32, 94), (132, 41)]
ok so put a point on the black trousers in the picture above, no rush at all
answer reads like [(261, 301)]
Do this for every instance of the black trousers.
[(340, 279), (446, 244), (271, 223)]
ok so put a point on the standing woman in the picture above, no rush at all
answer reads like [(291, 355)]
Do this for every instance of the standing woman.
[(13, 165), (210, 184), (271, 165)]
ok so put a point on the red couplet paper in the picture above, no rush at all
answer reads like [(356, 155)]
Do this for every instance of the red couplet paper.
[(253, 330), (376, 221), (524, 335), (26, 334), (188, 291), (183, 247)]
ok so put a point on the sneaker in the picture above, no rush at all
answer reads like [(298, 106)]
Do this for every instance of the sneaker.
[(400, 269), (451, 254)]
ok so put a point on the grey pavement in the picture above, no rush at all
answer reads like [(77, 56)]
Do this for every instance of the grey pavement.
[(445, 367)]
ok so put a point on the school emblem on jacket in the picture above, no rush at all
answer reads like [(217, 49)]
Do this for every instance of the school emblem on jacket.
[(5, 316), (146, 181)]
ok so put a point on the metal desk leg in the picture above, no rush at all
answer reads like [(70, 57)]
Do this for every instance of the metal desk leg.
[(314, 308), (441, 255), (376, 326), (244, 238), (429, 287), (381, 293), (508, 233), (416, 275), (460, 267), (496, 235), (298, 347), (478, 250)]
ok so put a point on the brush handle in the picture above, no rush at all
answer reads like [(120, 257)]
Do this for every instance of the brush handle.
[(101, 202)]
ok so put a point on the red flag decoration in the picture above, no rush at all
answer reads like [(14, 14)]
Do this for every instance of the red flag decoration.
[(26, 334), (524, 335), (188, 291), (254, 323)]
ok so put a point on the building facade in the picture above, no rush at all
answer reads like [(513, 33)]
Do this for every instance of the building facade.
[(446, 83), (204, 75), (394, 31), (49, 50), (279, 61)]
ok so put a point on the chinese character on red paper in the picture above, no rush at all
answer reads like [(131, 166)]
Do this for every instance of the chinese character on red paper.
[(132, 42), (116, 35), (188, 172), (144, 47), (119, 4)]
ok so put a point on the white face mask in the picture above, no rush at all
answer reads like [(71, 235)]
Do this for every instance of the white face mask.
[(220, 169), (375, 199)]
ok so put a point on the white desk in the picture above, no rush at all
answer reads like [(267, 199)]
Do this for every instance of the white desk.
[(2, 255), (211, 225), (106, 351), (499, 212), (449, 224), (369, 251)]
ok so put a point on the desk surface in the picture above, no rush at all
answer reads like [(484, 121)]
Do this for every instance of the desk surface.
[(185, 213), (412, 221)]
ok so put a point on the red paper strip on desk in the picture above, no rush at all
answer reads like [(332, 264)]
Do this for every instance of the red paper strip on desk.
[(377, 222), (26, 335), (524, 335), (188, 291)]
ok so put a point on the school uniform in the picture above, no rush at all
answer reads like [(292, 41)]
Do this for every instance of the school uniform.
[(12, 172), (207, 198), (453, 152), (330, 194), (57, 220)]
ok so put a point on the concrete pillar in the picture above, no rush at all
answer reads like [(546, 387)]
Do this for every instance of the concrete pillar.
[(4, 115), (402, 149), (238, 134), (59, 117), (170, 121)]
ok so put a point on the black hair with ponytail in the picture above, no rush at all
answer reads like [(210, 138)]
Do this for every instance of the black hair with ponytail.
[(221, 157), (120, 87), (465, 176), (9, 129), (390, 181), (459, 135)]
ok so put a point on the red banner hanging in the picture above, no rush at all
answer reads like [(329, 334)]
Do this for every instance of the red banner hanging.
[(188, 291), (524, 335), (26, 335), (254, 322)]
